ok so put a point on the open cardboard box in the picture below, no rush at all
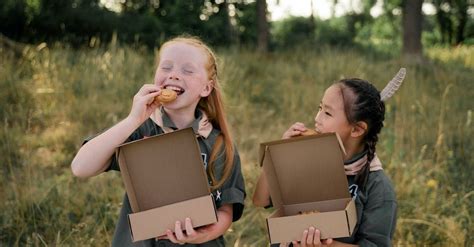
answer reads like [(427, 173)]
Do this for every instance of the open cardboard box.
[(305, 174), (166, 181)]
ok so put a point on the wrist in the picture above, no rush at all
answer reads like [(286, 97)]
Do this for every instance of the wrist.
[(132, 122)]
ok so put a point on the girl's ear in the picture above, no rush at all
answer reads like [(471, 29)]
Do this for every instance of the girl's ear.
[(207, 89), (359, 129)]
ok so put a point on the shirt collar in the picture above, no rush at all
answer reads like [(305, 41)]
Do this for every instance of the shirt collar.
[(356, 157), (200, 125)]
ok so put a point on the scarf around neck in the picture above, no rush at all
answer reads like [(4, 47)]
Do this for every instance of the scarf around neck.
[(201, 125), (353, 166)]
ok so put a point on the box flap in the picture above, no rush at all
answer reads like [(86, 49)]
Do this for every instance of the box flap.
[(351, 213), (305, 169), (272, 180), (154, 168)]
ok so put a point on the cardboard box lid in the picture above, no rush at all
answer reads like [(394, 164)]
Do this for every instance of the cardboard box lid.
[(162, 170), (305, 169)]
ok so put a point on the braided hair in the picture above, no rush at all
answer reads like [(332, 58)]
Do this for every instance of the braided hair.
[(364, 105)]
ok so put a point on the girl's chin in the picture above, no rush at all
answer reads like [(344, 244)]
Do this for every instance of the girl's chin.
[(179, 105), (170, 106)]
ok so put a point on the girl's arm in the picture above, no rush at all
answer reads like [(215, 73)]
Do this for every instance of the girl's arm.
[(94, 156), (202, 234), (261, 196)]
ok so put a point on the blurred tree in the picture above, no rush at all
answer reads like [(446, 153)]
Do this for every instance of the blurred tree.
[(452, 17), (230, 31), (209, 19), (15, 16), (12, 18), (262, 26), (411, 22), (462, 7), (246, 19), (150, 22), (311, 16), (74, 21), (217, 25), (295, 30)]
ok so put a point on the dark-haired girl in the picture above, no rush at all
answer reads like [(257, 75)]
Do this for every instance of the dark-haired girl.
[(354, 109)]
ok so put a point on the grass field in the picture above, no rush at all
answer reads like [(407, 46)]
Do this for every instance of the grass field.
[(53, 97)]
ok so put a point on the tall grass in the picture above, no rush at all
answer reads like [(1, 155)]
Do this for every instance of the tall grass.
[(53, 97)]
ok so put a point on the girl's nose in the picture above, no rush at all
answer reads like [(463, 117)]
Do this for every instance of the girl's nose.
[(316, 119), (173, 76)]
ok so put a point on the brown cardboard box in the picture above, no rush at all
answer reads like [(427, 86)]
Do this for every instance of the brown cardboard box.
[(165, 181), (305, 174)]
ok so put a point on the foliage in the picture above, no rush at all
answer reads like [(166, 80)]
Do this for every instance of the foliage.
[(141, 22)]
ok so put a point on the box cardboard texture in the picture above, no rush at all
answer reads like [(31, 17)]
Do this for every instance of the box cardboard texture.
[(165, 180), (305, 174)]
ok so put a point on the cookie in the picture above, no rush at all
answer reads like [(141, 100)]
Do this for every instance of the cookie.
[(309, 132), (166, 96)]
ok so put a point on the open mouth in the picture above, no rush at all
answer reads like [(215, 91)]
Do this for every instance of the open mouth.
[(177, 89)]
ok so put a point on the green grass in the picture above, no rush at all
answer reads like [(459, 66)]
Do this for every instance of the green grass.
[(51, 98)]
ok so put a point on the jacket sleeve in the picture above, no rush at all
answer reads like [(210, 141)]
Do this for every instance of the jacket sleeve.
[(233, 190)]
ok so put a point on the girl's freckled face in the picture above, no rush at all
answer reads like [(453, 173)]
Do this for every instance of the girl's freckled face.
[(331, 116), (182, 67)]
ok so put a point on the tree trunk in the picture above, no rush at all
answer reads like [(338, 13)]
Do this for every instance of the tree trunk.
[(229, 28), (263, 35), (411, 21), (312, 22), (462, 7)]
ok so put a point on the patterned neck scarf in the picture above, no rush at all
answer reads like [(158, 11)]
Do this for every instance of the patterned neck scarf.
[(354, 165), (200, 125)]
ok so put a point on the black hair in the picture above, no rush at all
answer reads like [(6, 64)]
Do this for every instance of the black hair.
[(362, 103)]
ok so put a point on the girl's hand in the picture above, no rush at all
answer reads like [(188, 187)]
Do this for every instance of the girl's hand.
[(144, 103), (311, 238), (294, 130), (202, 234), (190, 235)]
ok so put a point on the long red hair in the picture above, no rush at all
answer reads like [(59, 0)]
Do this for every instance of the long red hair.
[(213, 106)]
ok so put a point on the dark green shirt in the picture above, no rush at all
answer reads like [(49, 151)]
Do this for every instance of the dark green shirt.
[(376, 211), (231, 192)]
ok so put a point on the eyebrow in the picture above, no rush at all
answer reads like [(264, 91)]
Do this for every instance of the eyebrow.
[(188, 65), (166, 62), (326, 106)]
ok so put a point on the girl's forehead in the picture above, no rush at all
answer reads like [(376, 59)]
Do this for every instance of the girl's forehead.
[(182, 51), (333, 93), (333, 97)]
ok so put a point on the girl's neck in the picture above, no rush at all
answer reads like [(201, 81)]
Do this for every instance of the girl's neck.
[(352, 149), (181, 118)]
